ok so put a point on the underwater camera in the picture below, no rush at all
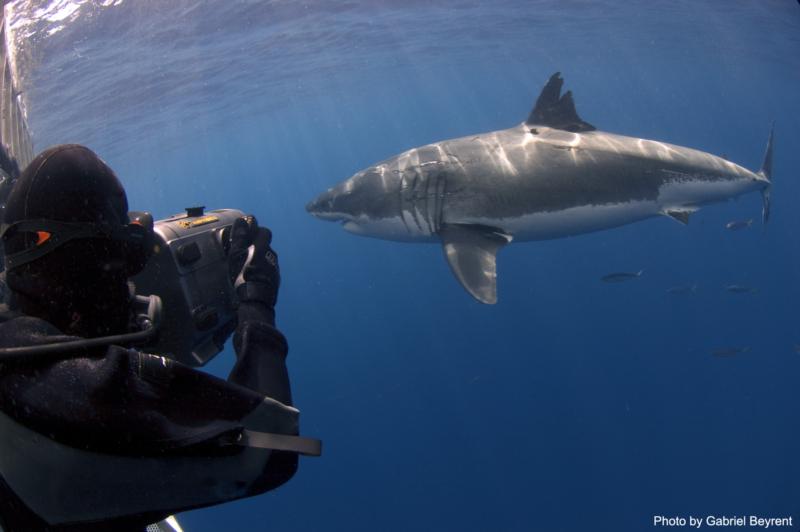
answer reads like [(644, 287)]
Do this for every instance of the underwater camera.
[(189, 272)]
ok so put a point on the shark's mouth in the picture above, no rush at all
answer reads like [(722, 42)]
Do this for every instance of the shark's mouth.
[(331, 216), (324, 208), (352, 226)]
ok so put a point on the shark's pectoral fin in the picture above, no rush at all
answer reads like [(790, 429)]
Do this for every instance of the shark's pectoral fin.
[(471, 251), (680, 214)]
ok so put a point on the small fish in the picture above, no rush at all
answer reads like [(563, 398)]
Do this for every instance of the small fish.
[(729, 351), (737, 225), (682, 289), (740, 289), (797, 348), (619, 277)]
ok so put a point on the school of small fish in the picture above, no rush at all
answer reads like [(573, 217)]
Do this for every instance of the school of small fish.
[(684, 289)]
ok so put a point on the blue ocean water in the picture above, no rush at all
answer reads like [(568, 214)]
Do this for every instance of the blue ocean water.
[(570, 405)]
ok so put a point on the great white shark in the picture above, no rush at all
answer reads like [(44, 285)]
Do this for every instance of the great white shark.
[(551, 176)]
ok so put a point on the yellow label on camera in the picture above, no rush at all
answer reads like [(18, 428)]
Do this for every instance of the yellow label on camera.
[(195, 222)]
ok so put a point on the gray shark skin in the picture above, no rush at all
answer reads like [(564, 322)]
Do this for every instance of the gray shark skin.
[(552, 176)]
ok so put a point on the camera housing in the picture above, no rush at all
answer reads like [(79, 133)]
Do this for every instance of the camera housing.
[(189, 271)]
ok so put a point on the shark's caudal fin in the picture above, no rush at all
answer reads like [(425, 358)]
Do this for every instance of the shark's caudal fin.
[(556, 111), (766, 173), (471, 252)]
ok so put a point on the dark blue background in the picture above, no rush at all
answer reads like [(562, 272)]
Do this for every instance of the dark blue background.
[(570, 405)]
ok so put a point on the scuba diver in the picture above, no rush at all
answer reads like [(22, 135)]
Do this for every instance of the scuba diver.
[(97, 435)]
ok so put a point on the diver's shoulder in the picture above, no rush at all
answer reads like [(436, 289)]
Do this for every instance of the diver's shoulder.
[(6, 314), (18, 329)]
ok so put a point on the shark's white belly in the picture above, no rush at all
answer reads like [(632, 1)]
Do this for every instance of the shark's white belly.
[(571, 221), (697, 192), (686, 196)]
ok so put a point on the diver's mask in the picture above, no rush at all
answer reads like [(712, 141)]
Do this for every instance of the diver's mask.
[(28, 240)]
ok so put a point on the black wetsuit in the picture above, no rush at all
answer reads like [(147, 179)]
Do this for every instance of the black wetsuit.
[(120, 400)]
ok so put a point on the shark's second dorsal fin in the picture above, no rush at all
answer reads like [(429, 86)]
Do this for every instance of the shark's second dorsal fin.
[(556, 111)]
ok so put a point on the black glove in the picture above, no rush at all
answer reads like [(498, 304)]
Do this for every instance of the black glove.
[(253, 264), (239, 241), (260, 348)]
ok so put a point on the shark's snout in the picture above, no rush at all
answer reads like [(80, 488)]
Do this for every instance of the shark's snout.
[(324, 207), (319, 205)]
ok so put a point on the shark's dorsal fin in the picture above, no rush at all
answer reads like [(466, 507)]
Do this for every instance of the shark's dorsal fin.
[(556, 111), (471, 251)]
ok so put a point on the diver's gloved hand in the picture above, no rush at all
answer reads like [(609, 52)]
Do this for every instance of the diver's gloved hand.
[(259, 278), (239, 242)]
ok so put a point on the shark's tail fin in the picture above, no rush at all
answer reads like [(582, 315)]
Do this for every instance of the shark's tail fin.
[(766, 173)]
